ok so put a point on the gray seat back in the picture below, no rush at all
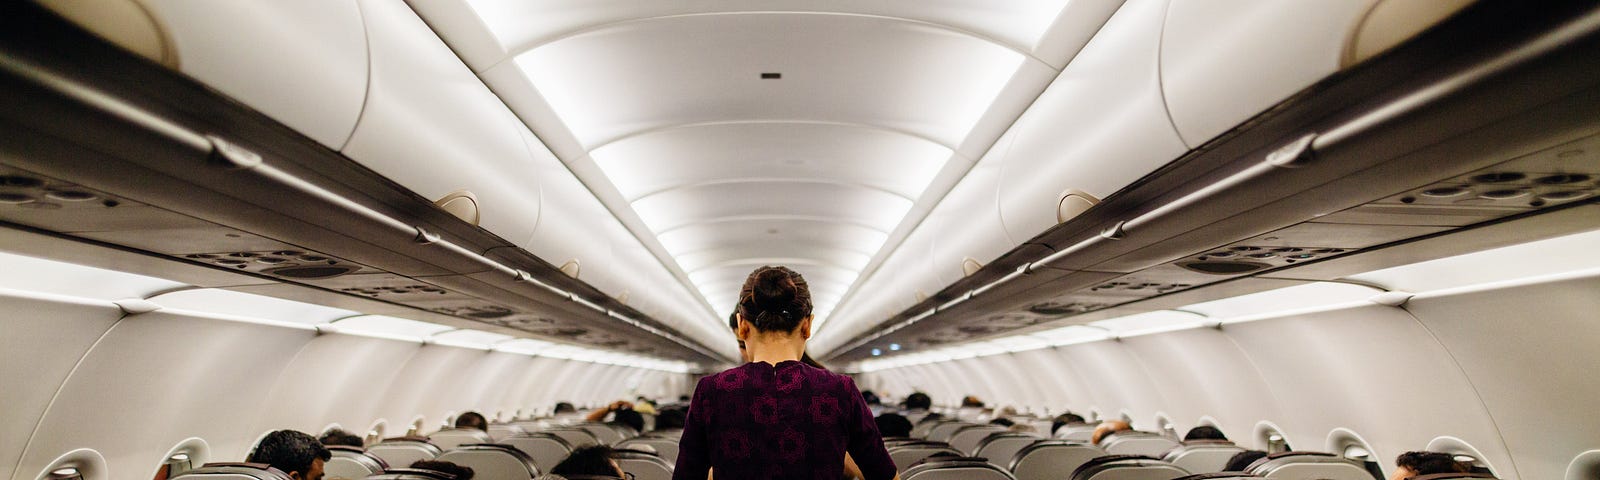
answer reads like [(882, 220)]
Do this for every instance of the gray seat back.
[(644, 466), (1137, 443), (351, 463), (966, 439), (905, 455), (665, 447), (455, 437), (1077, 432), (943, 431), (233, 471), (545, 449), (576, 436), (1127, 467), (921, 429), (1001, 447), (411, 474), (493, 462), (1221, 476), (501, 431), (602, 432), (1309, 466), (1202, 456), (1052, 459), (401, 452), (964, 468)]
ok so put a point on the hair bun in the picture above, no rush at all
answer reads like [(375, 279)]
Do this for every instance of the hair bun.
[(775, 298), (774, 290)]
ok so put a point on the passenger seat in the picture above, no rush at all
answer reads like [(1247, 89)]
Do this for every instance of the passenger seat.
[(1221, 476), (958, 468), (1454, 476), (906, 454), (1202, 456), (966, 439), (1051, 459), (544, 448), (920, 431), (665, 447), (1127, 467), (1077, 432), (403, 451), (352, 463), (412, 474), (645, 466), (944, 431), (576, 436), (1309, 465), (1001, 448), (455, 437), (1137, 443), (604, 433), (493, 462), (233, 471), (502, 431)]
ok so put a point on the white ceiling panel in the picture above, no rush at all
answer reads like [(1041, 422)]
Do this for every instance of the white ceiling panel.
[(763, 199)]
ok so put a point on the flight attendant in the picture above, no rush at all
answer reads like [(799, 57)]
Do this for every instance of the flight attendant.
[(776, 417)]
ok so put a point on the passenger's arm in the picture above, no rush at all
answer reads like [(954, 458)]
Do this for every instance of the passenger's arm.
[(865, 445), (694, 448), (600, 415)]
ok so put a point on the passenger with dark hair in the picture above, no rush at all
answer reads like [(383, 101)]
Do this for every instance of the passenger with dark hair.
[(971, 401), (1416, 464), (590, 460), (1204, 432), (296, 453), (564, 407), (893, 425), (670, 419), (622, 413), (1065, 419), (472, 420), (1241, 461), (870, 397), (1002, 421), (341, 438), (918, 401), (461, 472), (776, 416)]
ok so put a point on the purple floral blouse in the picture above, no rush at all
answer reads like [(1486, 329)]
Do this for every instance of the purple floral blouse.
[(789, 421)]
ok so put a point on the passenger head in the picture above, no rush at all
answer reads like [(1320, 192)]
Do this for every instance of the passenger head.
[(1064, 419), (871, 398), (893, 425), (342, 438), (630, 418), (775, 300), (670, 419), (1241, 461), (590, 460), (459, 471), (1109, 428), (1204, 432), (564, 407), (918, 401), (472, 420), (1022, 428), (298, 454), (1002, 421), (971, 401), (1414, 464)]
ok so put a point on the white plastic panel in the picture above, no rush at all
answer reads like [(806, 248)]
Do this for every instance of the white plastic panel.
[(1223, 62), (1544, 257), (432, 126), (468, 338), (1101, 125), (38, 275), (1310, 295), (968, 222), (1150, 322), (314, 81), (387, 327), (573, 226), (218, 301), (42, 341)]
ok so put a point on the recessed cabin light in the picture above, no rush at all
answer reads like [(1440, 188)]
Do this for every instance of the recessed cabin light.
[(771, 76)]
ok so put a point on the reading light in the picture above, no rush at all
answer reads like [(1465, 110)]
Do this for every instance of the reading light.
[(894, 347)]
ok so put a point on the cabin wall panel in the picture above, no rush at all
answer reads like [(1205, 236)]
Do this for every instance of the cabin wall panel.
[(1115, 381), (1203, 373), (43, 339), (1530, 351), (337, 379)]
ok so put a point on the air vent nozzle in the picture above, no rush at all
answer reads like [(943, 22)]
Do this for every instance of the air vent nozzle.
[(310, 272), (1223, 268)]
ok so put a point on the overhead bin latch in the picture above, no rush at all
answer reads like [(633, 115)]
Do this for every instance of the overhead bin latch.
[(1296, 154), (231, 155)]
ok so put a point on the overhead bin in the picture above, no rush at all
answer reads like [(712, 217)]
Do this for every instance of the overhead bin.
[(571, 233), (1101, 125), (433, 127), (313, 80)]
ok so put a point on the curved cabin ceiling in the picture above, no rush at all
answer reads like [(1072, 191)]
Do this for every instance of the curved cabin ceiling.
[(670, 113)]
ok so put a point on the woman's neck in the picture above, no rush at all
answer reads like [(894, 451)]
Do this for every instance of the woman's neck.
[(775, 347)]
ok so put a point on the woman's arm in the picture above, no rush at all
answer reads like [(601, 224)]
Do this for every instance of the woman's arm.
[(865, 445)]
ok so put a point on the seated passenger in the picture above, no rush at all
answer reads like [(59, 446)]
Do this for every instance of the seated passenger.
[(298, 454), (918, 401), (971, 401), (1107, 429), (472, 420), (342, 438), (644, 406), (1204, 432), (459, 471), (1002, 421), (1241, 461), (893, 425), (621, 412), (1022, 428), (590, 460), (1416, 464), (564, 407), (670, 419), (871, 398), (1064, 419)]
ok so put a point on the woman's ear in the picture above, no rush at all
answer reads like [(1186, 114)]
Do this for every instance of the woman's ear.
[(805, 327), (744, 330)]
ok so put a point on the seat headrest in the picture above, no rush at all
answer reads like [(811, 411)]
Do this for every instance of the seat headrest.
[(1309, 464), (1220, 476), (412, 474), (1452, 476), (235, 471), (493, 461), (966, 465), (1156, 468)]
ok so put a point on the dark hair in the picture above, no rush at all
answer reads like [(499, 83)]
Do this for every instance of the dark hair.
[(918, 400), (461, 472), (1064, 419), (871, 398), (630, 418), (971, 401), (1204, 432), (683, 398), (670, 419), (1428, 463), (472, 420), (289, 451), (775, 299), (1002, 421), (893, 425), (588, 460), (1241, 461), (806, 359), (564, 407), (341, 437)]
